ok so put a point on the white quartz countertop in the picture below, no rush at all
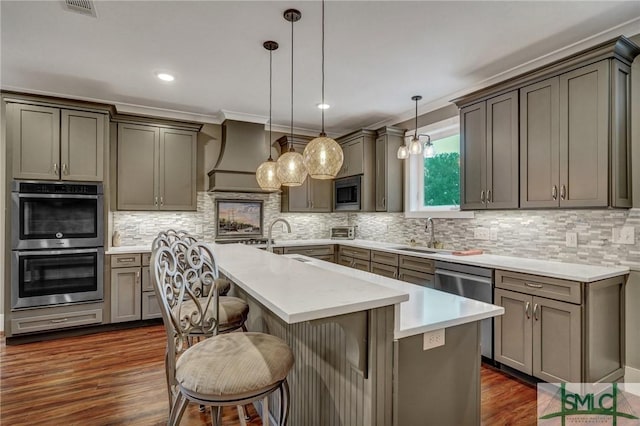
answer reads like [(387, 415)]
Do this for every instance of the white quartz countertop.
[(296, 291), (547, 268), (426, 310)]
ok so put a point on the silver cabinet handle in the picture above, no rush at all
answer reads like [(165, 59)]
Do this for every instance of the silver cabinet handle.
[(57, 321), (535, 312), (138, 277), (527, 312), (162, 201), (489, 197), (482, 197), (563, 192), (533, 285), (65, 169), (155, 201), (311, 202), (55, 168), (384, 201), (554, 192), (125, 259), (395, 274)]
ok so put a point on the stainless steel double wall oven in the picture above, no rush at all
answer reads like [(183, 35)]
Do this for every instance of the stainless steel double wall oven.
[(57, 243)]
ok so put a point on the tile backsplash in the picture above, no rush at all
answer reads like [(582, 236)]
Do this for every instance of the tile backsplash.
[(537, 234)]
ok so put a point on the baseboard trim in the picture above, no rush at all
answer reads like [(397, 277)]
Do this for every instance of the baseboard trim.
[(1, 325), (631, 375)]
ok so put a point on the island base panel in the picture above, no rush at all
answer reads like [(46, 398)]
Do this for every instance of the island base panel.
[(439, 386)]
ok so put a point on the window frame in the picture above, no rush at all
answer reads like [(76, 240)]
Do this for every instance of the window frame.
[(414, 176)]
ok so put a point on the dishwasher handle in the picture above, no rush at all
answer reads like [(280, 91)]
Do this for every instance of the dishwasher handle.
[(463, 276)]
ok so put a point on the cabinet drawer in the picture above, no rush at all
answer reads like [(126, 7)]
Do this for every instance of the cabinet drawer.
[(384, 258), (56, 321), (416, 264), (551, 288), (146, 259), (150, 306), (384, 270), (313, 251), (327, 258), (345, 261), (415, 277), (125, 260), (363, 265), (355, 252)]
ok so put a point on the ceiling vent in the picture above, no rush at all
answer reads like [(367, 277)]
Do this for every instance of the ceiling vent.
[(85, 7)]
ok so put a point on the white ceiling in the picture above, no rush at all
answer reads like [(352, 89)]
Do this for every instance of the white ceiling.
[(378, 53)]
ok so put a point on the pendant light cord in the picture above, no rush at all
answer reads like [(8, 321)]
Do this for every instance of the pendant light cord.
[(291, 142), (322, 134), (415, 134), (270, 98)]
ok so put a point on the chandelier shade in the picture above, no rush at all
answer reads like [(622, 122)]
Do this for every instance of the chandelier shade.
[(291, 170)]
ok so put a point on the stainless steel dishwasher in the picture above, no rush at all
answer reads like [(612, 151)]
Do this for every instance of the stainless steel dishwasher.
[(474, 283)]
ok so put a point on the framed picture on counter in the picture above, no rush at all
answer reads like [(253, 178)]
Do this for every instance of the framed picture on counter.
[(239, 219)]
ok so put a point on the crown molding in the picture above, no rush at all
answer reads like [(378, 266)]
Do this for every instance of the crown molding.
[(628, 29), (132, 109)]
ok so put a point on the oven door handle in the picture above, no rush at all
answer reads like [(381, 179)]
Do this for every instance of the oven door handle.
[(475, 278), (58, 196), (56, 252)]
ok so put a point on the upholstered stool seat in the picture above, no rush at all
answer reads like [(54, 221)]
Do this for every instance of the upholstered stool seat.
[(223, 285), (234, 366), (232, 311)]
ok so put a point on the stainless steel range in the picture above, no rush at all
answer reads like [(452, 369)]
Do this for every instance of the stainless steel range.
[(57, 243)]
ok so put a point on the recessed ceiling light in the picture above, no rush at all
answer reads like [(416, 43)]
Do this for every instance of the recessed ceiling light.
[(323, 106), (165, 77)]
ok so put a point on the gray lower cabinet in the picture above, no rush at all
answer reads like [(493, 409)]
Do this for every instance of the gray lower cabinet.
[(354, 257), (156, 168), (489, 153), (384, 270), (559, 330), (132, 294), (389, 171), (55, 318), (55, 143), (416, 270), (323, 252)]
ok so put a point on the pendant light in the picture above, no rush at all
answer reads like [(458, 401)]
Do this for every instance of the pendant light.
[(291, 170), (266, 175), (429, 149), (323, 156), (415, 147)]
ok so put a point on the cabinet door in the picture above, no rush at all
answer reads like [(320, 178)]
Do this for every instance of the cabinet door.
[(381, 174), (298, 197), (513, 334), (502, 152), (557, 342), (138, 162), (539, 144), (415, 277), (473, 157), (150, 306), (147, 285), (320, 195), (177, 174), (384, 270), (584, 136), (82, 145), (621, 186), (34, 133), (355, 165), (125, 294)]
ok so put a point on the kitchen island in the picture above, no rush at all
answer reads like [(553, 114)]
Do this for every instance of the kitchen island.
[(359, 341)]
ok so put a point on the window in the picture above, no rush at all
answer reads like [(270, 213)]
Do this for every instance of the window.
[(433, 184)]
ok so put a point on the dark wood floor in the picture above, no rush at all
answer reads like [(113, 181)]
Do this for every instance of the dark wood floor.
[(117, 377)]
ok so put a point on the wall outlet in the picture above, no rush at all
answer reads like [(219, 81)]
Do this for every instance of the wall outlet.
[(199, 229), (493, 234), (572, 239), (624, 235), (481, 234), (433, 339)]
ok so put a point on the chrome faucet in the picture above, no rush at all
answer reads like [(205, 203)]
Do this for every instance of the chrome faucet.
[(269, 248), (431, 231)]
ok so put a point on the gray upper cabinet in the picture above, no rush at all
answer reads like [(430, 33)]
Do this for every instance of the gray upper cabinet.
[(565, 138), (156, 168), (353, 163), (359, 150), (489, 147), (314, 195), (53, 143), (574, 134), (389, 171)]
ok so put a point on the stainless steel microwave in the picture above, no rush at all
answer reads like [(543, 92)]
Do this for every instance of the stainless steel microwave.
[(347, 194)]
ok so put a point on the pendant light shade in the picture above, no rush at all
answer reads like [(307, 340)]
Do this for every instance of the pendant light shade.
[(291, 170), (403, 152), (323, 156), (266, 174), (429, 149), (415, 147)]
